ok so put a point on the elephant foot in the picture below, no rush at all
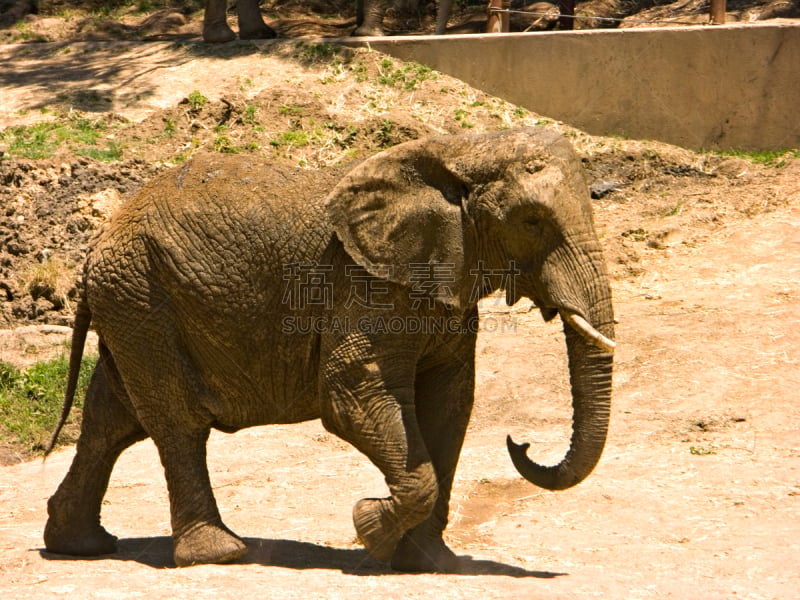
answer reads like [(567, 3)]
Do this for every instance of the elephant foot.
[(263, 32), (208, 543), (366, 31), (218, 33), (376, 527), (78, 541), (414, 556)]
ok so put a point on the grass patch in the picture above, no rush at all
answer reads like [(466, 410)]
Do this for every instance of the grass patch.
[(196, 101), (31, 400), (111, 153), (42, 140), (768, 158), (315, 53), (51, 279), (408, 76), (292, 139), (462, 116)]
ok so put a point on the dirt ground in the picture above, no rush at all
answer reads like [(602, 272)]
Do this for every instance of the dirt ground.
[(698, 492)]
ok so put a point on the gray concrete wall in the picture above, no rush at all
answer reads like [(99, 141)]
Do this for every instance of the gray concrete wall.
[(722, 87)]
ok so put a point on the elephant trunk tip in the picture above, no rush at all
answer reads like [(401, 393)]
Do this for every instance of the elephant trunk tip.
[(558, 477)]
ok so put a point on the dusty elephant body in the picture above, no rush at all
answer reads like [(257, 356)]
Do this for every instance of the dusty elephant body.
[(229, 294)]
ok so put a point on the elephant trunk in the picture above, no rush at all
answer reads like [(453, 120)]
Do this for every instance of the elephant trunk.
[(590, 366)]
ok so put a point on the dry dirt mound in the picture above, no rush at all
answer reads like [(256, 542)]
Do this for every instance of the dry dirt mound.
[(697, 494)]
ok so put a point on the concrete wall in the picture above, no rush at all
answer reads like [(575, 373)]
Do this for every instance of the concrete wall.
[(722, 87)]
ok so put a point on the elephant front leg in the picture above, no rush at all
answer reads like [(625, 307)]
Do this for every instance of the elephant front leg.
[(443, 398), (369, 402), (390, 439)]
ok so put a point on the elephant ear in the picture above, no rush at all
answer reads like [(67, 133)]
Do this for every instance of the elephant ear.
[(400, 215)]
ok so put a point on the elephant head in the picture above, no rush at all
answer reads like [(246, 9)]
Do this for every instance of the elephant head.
[(503, 210)]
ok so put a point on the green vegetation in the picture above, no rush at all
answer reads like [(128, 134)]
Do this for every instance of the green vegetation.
[(769, 158), (31, 399), (359, 71), (461, 116), (24, 34), (249, 115), (314, 53), (223, 144), (674, 210), (295, 138), (111, 153), (702, 450), (42, 140), (408, 76), (196, 101), (385, 133), (291, 109)]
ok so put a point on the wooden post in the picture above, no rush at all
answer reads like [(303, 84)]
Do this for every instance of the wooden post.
[(567, 20), (498, 22), (718, 12)]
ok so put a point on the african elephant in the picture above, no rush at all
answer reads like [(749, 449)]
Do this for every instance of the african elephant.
[(251, 24), (370, 13), (231, 293)]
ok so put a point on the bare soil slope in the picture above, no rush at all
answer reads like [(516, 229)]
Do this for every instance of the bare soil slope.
[(697, 494)]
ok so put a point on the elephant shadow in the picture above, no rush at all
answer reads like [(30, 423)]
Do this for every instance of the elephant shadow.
[(156, 552)]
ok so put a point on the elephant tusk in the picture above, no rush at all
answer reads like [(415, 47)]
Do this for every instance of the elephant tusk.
[(589, 333)]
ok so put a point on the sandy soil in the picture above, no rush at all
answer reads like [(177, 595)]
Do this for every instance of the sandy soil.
[(698, 493)]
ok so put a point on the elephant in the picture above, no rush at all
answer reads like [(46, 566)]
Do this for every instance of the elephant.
[(251, 23), (369, 20), (370, 13), (231, 293)]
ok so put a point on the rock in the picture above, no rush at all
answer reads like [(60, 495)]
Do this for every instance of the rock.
[(104, 202), (602, 188)]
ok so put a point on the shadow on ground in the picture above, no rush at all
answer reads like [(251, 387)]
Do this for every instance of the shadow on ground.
[(156, 552), (105, 76)]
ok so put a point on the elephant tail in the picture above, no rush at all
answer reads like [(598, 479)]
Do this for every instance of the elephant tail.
[(83, 317)]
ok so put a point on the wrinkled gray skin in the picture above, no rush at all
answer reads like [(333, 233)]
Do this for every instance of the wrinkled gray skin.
[(369, 16), (251, 24), (195, 285)]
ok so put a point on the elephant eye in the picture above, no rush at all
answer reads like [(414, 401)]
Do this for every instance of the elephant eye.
[(533, 222)]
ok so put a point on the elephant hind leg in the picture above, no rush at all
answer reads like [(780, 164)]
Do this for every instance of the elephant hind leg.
[(108, 427), (198, 533), (169, 397)]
